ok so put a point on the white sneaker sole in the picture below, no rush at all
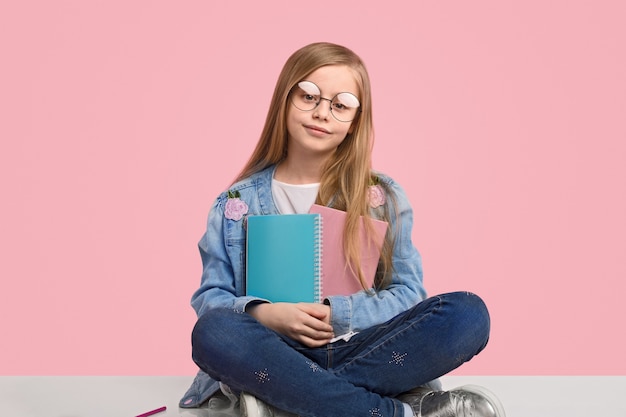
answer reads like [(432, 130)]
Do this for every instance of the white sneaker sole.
[(248, 405)]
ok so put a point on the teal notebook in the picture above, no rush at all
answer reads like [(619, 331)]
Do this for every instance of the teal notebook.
[(283, 257)]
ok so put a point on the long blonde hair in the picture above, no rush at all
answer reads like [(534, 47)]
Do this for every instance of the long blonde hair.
[(347, 174)]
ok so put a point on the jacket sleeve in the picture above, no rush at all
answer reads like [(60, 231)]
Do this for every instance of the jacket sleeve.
[(362, 310), (221, 250)]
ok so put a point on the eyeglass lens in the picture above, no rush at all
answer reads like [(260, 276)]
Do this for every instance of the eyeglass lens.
[(306, 96)]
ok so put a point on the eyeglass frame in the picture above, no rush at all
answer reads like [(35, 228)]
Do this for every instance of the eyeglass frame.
[(330, 100)]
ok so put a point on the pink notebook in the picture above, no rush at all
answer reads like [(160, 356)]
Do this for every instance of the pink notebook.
[(337, 278)]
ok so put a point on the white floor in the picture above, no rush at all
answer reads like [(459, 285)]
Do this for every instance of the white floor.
[(131, 396)]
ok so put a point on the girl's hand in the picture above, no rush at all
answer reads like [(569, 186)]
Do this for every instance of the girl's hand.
[(307, 323)]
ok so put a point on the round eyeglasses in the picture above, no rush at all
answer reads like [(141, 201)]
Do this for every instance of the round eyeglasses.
[(306, 96)]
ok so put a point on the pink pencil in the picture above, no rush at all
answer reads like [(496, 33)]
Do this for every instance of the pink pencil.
[(149, 413)]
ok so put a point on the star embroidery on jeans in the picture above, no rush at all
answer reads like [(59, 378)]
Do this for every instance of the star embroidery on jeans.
[(313, 366), (375, 412), (398, 358), (262, 376)]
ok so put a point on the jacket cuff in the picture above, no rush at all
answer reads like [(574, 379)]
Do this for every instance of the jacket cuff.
[(241, 303), (341, 313)]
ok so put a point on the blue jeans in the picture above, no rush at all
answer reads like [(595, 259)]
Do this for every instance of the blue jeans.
[(360, 377)]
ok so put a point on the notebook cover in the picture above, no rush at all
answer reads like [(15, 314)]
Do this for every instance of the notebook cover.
[(337, 277), (282, 257)]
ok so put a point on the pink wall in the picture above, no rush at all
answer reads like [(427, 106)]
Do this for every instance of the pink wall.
[(120, 123)]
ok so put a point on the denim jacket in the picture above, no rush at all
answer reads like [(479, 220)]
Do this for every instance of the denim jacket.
[(222, 249)]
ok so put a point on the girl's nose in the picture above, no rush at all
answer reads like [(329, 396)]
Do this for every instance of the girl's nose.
[(322, 110)]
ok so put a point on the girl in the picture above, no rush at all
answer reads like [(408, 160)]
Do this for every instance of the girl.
[(282, 358)]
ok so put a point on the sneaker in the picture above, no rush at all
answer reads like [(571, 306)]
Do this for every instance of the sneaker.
[(465, 401), (250, 406)]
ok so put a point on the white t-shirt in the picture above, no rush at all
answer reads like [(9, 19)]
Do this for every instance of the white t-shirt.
[(292, 198)]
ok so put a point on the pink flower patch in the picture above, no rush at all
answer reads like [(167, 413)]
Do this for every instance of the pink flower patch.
[(376, 196), (235, 208)]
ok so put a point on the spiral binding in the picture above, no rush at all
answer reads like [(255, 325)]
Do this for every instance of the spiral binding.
[(319, 276)]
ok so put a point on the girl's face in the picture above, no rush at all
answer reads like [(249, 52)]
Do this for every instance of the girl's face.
[(317, 132)]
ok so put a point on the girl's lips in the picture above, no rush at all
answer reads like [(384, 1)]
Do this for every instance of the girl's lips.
[(316, 128)]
